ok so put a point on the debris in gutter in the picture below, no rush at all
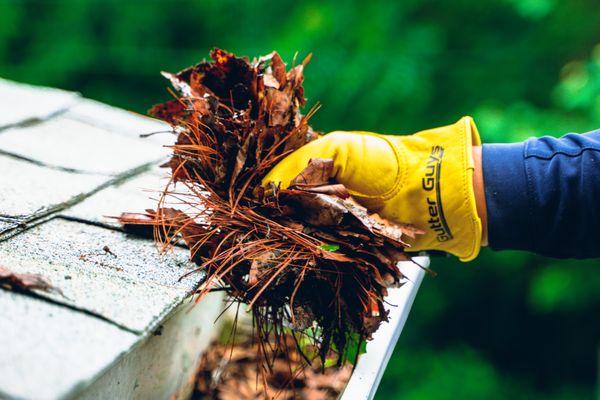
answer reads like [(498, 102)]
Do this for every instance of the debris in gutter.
[(229, 372)]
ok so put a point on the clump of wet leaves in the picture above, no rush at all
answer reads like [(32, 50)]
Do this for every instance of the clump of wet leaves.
[(306, 256)]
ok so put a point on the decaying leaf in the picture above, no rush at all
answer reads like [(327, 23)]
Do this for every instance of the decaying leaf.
[(316, 208), (25, 282), (336, 190), (318, 172)]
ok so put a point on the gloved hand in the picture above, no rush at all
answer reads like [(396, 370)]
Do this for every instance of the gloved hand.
[(425, 179)]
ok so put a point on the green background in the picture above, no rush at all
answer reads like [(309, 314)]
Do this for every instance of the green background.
[(509, 324)]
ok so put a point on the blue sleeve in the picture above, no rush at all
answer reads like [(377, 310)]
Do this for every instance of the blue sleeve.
[(543, 195)]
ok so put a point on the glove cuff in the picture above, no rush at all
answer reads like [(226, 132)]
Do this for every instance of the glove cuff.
[(471, 240), (436, 193)]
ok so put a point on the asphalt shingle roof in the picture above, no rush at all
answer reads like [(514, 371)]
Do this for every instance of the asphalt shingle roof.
[(66, 164)]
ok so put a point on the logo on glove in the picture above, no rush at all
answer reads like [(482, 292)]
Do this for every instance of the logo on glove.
[(431, 183)]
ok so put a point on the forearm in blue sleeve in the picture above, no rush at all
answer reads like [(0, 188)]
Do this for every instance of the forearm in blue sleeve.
[(543, 195)]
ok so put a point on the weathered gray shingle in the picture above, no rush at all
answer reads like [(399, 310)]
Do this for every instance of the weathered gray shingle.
[(28, 189), (66, 157), (134, 195), (74, 145), (131, 283), (47, 349), (121, 121), (7, 224), (20, 103)]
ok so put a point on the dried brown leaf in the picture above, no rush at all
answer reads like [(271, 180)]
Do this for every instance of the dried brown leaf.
[(316, 208), (279, 106), (25, 282), (318, 172), (278, 69), (270, 81), (337, 190)]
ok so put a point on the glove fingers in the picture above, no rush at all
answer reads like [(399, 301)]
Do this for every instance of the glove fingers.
[(364, 162)]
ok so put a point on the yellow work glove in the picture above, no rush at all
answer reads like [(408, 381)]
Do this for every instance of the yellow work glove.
[(425, 179)]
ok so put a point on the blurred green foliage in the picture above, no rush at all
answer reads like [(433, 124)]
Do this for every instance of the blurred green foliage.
[(507, 325)]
